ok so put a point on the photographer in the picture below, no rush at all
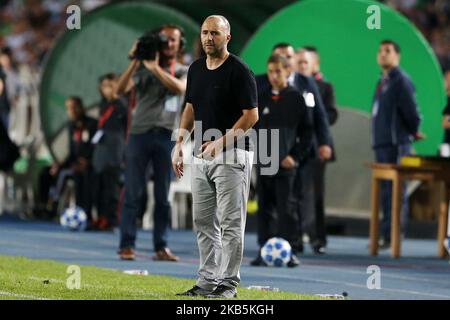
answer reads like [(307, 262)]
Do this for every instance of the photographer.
[(159, 81)]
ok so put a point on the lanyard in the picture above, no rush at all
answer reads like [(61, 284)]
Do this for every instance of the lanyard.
[(276, 97), (106, 115), (172, 68), (77, 134), (382, 85)]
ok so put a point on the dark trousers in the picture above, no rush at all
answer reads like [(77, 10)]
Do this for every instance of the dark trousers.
[(154, 146), (84, 188), (304, 191), (4, 118), (392, 154), (107, 192), (277, 215), (46, 181), (310, 192), (318, 233)]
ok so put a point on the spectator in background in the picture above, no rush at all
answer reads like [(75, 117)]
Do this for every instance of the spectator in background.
[(78, 164), (9, 153), (10, 68), (446, 112), (4, 100), (432, 18), (34, 25), (309, 65), (89, 5), (13, 87), (395, 125), (160, 85), (109, 142)]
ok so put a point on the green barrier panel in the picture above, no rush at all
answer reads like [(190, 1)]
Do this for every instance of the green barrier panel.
[(348, 51), (100, 46)]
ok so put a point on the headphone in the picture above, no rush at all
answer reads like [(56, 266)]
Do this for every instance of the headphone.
[(183, 40)]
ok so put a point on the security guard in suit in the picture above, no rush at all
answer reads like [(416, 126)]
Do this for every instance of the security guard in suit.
[(395, 125), (314, 200)]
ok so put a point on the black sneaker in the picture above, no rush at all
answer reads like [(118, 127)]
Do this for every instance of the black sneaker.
[(195, 291), (223, 292), (258, 262), (294, 262)]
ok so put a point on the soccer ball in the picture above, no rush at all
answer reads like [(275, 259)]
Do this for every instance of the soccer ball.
[(74, 218), (276, 252)]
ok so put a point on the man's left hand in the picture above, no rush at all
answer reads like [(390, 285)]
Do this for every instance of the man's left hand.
[(210, 149)]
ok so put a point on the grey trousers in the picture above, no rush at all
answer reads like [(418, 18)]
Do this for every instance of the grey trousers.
[(220, 189)]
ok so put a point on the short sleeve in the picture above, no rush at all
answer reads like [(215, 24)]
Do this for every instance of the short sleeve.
[(244, 87), (181, 72), (137, 76)]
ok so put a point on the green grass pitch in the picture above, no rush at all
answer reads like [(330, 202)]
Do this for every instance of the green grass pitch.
[(22, 278)]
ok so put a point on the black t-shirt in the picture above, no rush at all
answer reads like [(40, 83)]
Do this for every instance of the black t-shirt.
[(113, 115), (447, 112), (218, 96), (80, 139)]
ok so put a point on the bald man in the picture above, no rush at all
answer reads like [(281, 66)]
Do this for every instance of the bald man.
[(221, 100)]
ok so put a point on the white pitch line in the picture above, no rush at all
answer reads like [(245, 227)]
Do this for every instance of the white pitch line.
[(60, 236), (384, 274), (135, 292), (45, 247), (25, 296), (350, 284)]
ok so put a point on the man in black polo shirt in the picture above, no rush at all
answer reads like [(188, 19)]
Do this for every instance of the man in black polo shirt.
[(221, 99), (281, 108)]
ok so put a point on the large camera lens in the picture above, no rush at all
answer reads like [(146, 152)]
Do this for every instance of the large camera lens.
[(148, 45)]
